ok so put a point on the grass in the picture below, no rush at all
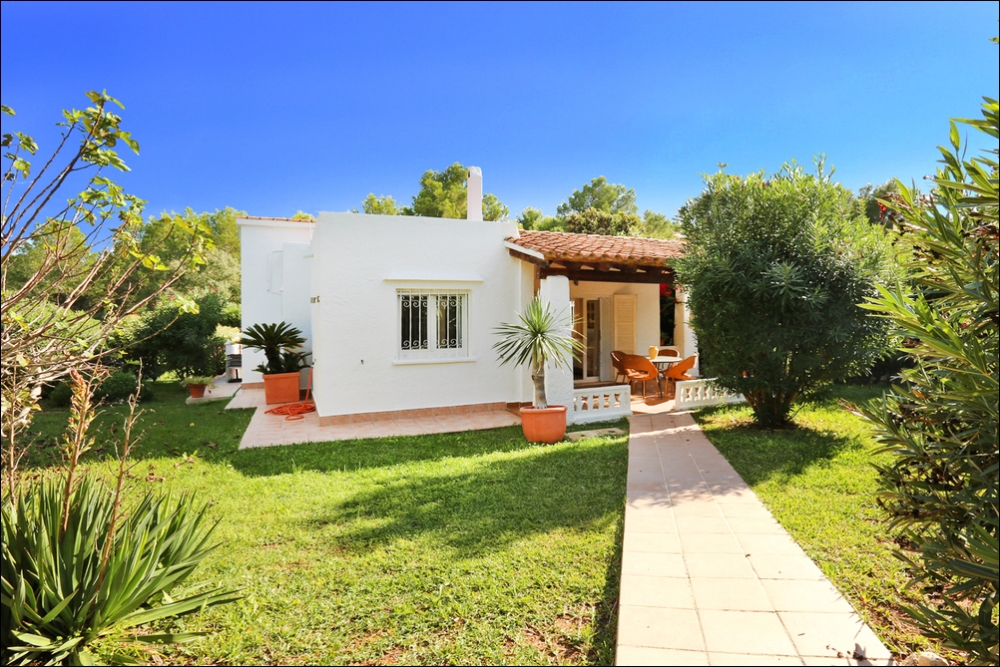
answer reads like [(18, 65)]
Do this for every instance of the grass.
[(819, 482), (466, 548)]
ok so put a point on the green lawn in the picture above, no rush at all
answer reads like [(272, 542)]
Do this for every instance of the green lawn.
[(819, 482), (461, 548)]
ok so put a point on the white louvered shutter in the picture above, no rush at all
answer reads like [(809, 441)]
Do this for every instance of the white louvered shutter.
[(625, 307)]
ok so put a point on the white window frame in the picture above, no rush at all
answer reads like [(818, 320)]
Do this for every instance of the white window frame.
[(433, 352)]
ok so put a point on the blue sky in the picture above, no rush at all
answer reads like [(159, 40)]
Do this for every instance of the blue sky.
[(275, 108)]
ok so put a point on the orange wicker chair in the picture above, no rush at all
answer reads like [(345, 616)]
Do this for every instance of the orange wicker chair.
[(641, 369), (616, 361), (679, 370), (667, 352)]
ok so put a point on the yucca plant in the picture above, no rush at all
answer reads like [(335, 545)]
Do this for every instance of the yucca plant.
[(538, 339), (78, 566), (66, 586)]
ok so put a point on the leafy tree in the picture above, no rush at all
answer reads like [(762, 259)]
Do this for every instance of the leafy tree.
[(31, 257), (593, 221), (384, 205), (493, 208), (443, 194), (302, 215), (185, 344), (529, 218), (220, 261), (940, 421), (220, 272), (600, 195), (41, 343), (533, 218), (657, 226), (76, 566), (870, 199), (775, 268)]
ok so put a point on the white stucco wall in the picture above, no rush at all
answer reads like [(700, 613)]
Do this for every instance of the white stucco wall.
[(554, 291), (274, 278), (359, 262), (684, 339)]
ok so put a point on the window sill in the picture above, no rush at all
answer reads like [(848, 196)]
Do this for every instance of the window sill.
[(443, 360)]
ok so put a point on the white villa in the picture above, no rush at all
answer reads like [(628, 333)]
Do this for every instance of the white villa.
[(399, 312)]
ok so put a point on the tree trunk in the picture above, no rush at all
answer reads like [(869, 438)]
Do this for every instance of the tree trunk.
[(538, 377), (771, 410)]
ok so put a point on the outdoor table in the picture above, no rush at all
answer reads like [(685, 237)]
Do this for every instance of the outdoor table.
[(663, 363)]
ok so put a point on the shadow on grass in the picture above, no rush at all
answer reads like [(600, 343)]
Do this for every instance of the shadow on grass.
[(360, 454), (479, 505), (761, 454)]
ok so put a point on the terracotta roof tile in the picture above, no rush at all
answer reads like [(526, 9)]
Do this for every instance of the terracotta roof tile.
[(556, 246)]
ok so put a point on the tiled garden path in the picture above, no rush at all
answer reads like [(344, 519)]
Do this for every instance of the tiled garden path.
[(265, 430), (709, 577)]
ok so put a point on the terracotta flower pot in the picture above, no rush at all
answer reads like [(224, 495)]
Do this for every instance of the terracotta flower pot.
[(196, 390), (281, 388), (546, 425)]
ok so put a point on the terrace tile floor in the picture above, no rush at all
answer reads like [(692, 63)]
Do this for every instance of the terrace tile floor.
[(709, 577), (266, 430)]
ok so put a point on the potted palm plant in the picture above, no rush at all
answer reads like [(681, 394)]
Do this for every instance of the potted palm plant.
[(279, 343), (540, 337)]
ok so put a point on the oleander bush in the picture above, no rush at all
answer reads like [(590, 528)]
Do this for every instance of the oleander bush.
[(940, 420), (775, 268)]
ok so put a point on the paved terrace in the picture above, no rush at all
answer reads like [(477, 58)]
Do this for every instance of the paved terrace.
[(265, 430), (709, 577)]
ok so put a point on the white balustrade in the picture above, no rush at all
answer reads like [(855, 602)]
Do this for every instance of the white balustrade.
[(597, 404), (701, 393)]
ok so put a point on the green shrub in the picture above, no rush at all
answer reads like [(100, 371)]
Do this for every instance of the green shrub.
[(69, 579), (232, 315), (775, 268), (60, 396), (119, 386), (185, 343), (940, 492), (116, 389)]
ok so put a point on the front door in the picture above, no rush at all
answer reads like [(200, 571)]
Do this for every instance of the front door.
[(591, 340)]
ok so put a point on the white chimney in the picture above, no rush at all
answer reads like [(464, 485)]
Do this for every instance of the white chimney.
[(474, 209)]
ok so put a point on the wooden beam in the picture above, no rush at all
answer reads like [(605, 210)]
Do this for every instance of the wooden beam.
[(610, 276), (525, 257)]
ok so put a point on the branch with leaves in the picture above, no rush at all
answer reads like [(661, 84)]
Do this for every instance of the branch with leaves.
[(90, 263)]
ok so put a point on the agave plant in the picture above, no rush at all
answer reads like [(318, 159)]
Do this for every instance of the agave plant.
[(70, 575), (538, 339), (278, 342)]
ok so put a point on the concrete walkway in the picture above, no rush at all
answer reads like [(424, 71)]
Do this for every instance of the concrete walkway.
[(709, 577)]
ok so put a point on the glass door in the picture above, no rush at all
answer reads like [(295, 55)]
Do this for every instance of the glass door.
[(592, 339)]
